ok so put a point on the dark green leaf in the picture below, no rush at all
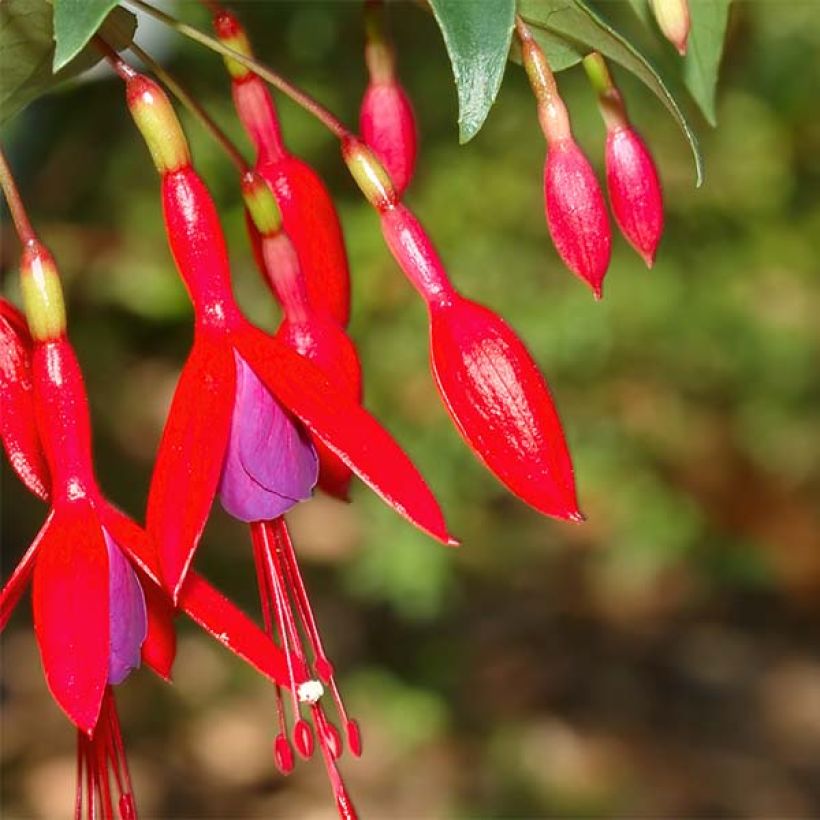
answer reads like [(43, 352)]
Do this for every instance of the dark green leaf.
[(477, 35), (570, 29), (702, 61), (75, 23), (27, 49)]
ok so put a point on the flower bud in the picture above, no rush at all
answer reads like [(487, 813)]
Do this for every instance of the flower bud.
[(501, 405), (232, 34), (42, 294), (261, 204), (576, 214), (370, 175), (634, 191), (673, 20), (158, 123)]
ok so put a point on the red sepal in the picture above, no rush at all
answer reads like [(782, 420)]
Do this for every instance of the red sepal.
[(345, 427), (190, 457), (16, 584), (70, 596), (323, 342), (160, 645), (231, 627), (500, 403), (311, 222), (18, 425)]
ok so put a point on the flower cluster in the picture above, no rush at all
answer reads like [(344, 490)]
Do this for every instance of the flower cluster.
[(260, 421)]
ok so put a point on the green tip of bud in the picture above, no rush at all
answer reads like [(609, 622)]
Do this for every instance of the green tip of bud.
[(261, 204), (232, 34), (158, 123), (369, 173), (42, 294), (597, 72)]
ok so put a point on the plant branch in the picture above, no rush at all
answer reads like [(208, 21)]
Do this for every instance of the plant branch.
[(18, 210), (329, 120)]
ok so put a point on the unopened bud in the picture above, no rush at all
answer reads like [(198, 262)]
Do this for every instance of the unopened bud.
[(158, 123), (42, 294), (673, 21), (232, 34), (261, 204), (369, 173)]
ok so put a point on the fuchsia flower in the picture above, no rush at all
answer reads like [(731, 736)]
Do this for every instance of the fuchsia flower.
[(310, 331), (487, 378), (98, 608), (309, 217), (632, 180), (386, 120), (574, 205)]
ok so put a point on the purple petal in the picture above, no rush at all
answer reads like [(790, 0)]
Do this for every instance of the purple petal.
[(126, 612), (270, 464)]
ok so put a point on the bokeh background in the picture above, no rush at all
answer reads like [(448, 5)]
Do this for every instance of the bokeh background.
[(663, 659)]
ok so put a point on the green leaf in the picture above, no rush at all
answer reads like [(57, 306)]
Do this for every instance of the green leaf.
[(27, 48), (569, 29), (75, 23), (477, 34), (705, 48)]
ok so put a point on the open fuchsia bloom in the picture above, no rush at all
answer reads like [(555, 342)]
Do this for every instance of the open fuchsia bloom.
[(631, 176), (308, 214), (386, 119), (233, 428), (98, 606), (312, 332), (574, 205), (490, 384)]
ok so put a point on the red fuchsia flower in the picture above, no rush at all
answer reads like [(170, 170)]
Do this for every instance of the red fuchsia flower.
[(674, 22), (198, 433), (386, 120), (311, 332), (574, 205), (487, 378), (98, 607), (631, 176), (308, 214)]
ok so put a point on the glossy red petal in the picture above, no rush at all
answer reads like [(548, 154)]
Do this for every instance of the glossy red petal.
[(16, 584), (311, 222), (501, 405), (190, 457), (232, 628), (322, 341), (70, 594), (18, 424), (160, 645), (346, 428)]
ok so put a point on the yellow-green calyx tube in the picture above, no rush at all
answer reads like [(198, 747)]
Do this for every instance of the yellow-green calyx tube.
[(261, 204), (42, 294), (158, 123), (369, 173)]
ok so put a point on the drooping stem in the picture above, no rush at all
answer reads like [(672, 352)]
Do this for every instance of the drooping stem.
[(194, 106), (329, 120), (19, 216)]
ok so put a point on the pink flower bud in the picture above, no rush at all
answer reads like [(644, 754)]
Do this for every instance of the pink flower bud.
[(576, 215), (634, 191), (388, 126), (674, 21)]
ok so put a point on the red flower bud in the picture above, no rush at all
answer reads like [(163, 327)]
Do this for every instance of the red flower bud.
[(634, 191), (576, 214), (500, 403)]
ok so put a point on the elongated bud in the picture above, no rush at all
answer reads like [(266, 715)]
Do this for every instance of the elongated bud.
[(574, 205), (386, 120), (673, 20), (232, 34), (42, 294), (261, 204), (500, 403), (632, 179), (369, 173)]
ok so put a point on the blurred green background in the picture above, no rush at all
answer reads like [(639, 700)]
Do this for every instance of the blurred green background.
[(661, 660)]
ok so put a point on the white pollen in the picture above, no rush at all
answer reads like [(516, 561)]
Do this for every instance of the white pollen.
[(310, 691)]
